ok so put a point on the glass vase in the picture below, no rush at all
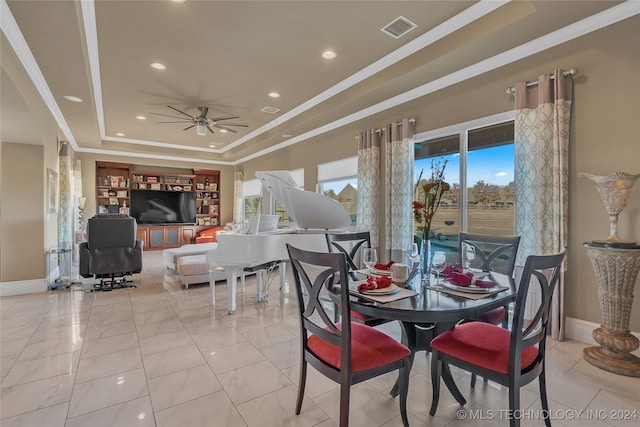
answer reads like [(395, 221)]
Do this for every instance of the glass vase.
[(425, 257)]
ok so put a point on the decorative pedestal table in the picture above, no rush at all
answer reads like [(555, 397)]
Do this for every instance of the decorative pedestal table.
[(616, 271)]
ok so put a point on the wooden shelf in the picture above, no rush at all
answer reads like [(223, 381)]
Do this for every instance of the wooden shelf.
[(112, 177)]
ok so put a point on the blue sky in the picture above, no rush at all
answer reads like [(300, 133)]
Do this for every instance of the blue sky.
[(492, 165)]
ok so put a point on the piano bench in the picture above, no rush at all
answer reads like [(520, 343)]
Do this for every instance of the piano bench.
[(171, 256), (195, 269)]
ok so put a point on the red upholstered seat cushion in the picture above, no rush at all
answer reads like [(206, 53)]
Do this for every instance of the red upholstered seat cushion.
[(492, 316), (361, 316), (482, 344), (369, 348), (208, 235)]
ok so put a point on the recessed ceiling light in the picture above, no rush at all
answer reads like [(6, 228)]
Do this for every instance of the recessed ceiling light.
[(119, 134), (178, 1), (212, 145), (274, 95), (329, 54), (141, 118), (223, 130), (158, 66), (72, 98)]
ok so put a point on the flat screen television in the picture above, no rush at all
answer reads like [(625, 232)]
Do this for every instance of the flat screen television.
[(163, 207)]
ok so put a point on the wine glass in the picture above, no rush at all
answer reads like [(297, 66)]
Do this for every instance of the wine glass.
[(412, 253), (370, 258), (468, 255), (439, 263)]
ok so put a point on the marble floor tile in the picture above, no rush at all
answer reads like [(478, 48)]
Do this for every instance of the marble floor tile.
[(201, 411), (182, 386), (232, 357), (269, 335), (104, 392), (23, 398), (51, 416), (164, 342), (91, 368), (134, 413), (177, 359), (111, 344), (46, 367), (249, 382)]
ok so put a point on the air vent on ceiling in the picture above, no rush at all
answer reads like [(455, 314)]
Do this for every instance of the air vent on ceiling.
[(398, 27), (270, 110)]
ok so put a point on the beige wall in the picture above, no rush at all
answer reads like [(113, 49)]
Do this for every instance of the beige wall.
[(605, 139), (21, 218)]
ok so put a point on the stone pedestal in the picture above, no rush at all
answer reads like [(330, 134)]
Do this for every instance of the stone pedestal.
[(616, 272)]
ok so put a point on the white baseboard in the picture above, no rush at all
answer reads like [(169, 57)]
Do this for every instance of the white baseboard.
[(21, 287), (582, 331)]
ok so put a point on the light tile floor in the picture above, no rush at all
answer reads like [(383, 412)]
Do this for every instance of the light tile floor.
[(158, 355)]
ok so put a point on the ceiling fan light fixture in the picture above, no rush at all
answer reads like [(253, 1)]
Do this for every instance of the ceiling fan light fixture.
[(201, 129)]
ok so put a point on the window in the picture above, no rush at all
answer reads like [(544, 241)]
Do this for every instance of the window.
[(250, 198), (339, 180), (480, 170)]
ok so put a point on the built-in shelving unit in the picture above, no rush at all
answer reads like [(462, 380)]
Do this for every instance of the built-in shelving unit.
[(112, 187), (114, 182), (207, 197)]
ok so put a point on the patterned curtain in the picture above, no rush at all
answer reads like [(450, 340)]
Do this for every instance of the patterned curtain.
[(237, 198), (398, 183), (542, 126), (369, 184), (65, 212)]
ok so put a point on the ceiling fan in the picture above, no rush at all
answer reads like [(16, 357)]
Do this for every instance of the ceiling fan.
[(202, 122)]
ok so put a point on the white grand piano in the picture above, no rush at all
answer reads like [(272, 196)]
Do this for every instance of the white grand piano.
[(256, 248)]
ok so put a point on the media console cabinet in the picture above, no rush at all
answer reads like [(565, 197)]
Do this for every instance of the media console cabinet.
[(114, 185)]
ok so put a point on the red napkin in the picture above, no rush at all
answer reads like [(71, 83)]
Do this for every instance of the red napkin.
[(452, 268), (466, 279), (384, 266), (375, 283)]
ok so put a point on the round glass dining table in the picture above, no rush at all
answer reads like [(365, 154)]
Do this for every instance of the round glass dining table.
[(432, 310)]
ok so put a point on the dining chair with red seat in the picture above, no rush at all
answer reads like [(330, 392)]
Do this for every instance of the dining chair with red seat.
[(352, 244), (493, 253), (511, 357), (347, 352)]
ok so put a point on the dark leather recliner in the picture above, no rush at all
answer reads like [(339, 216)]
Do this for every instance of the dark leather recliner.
[(111, 251)]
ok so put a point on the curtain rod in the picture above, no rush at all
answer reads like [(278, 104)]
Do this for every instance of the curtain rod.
[(412, 120), (567, 73)]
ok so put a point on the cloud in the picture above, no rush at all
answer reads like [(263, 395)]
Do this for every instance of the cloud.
[(501, 174)]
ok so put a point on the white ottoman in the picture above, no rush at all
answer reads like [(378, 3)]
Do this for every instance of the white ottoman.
[(171, 255), (195, 269)]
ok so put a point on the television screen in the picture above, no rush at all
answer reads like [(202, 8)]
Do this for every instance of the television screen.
[(163, 207)]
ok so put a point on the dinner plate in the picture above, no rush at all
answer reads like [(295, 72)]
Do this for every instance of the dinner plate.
[(471, 288), (389, 290), (381, 272)]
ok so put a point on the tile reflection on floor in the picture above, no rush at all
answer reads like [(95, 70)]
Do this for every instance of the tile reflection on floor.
[(159, 355)]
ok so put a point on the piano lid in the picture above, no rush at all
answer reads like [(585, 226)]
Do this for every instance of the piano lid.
[(309, 210)]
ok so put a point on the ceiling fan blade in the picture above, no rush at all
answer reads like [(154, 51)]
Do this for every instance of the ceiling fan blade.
[(225, 129), (181, 112), (188, 127), (217, 119), (210, 130), (183, 122), (235, 124), (175, 117)]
